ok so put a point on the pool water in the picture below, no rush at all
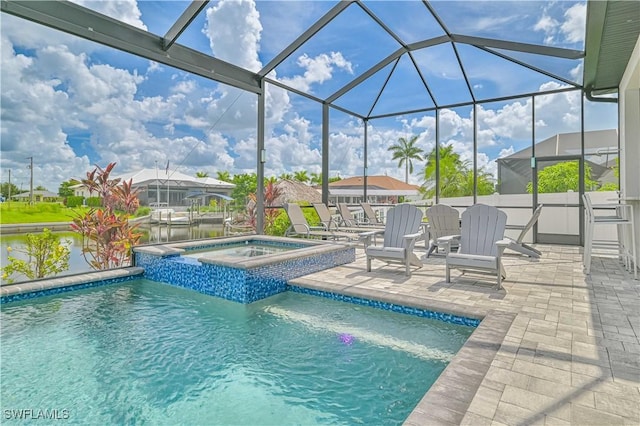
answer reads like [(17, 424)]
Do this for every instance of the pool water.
[(142, 352), (240, 250)]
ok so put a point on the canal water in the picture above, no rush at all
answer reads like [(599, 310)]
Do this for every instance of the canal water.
[(77, 264)]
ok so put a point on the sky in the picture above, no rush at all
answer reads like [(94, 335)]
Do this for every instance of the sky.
[(71, 104)]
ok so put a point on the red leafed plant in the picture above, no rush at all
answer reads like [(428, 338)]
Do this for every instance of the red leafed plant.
[(107, 236), (271, 194)]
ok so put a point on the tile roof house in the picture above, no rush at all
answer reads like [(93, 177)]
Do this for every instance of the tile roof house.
[(380, 189)]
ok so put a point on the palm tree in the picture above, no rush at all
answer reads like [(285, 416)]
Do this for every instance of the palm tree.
[(406, 151), (202, 174), (301, 176), (286, 176), (456, 176), (224, 176)]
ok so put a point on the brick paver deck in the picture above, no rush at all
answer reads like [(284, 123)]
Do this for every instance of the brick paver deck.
[(556, 347)]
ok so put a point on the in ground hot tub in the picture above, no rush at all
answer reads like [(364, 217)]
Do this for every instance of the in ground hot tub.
[(243, 269)]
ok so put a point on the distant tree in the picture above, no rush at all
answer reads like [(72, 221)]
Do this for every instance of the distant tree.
[(301, 176), (286, 176), (563, 177), (316, 179), (224, 176), (202, 174), (40, 188), (456, 176), (8, 188), (65, 190), (245, 184), (405, 151), (452, 174)]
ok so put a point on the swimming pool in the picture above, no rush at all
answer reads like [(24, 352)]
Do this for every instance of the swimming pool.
[(146, 352)]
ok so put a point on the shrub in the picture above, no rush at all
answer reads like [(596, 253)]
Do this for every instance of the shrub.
[(94, 202), (75, 201), (143, 211), (46, 255), (281, 222), (107, 235)]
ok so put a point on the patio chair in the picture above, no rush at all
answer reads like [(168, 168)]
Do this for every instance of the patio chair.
[(349, 220), (517, 244), (401, 232), (480, 243), (372, 219), (330, 224), (443, 220), (300, 227)]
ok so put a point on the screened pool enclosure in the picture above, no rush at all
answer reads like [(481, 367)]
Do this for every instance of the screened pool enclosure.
[(487, 89)]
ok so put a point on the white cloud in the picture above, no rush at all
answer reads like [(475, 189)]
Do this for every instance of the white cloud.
[(568, 28), (549, 26), (233, 28), (317, 70), (123, 10), (573, 28)]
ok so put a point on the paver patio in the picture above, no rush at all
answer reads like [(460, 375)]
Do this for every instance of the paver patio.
[(556, 347)]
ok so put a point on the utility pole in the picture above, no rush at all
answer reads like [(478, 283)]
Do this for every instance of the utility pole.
[(31, 181)]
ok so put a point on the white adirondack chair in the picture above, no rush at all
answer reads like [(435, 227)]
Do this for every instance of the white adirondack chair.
[(517, 244), (443, 220), (480, 243), (401, 232)]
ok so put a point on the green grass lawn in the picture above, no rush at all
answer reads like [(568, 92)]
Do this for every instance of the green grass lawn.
[(16, 212)]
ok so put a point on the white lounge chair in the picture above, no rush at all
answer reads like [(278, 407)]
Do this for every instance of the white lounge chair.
[(299, 226), (517, 244), (372, 219), (330, 224), (349, 220), (480, 243), (443, 220), (401, 232)]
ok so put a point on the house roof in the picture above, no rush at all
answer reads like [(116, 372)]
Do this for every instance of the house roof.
[(45, 194), (150, 176), (374, 182), (376, 185), (598, 142), (293, 191)]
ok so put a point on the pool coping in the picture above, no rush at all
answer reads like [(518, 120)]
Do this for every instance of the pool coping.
[(447, 400), (68, 281), (314, 248)]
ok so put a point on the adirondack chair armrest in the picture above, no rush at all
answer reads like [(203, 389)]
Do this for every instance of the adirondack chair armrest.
[(502, 244), (448, 241), (367, 236), (415, 237)]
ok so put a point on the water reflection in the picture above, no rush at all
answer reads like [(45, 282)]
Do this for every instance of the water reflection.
[(77, 264)]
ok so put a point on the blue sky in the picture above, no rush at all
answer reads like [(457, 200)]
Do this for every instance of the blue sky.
[(71, 103)]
